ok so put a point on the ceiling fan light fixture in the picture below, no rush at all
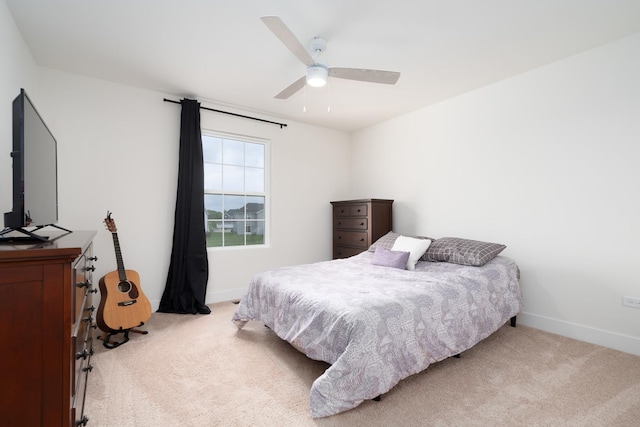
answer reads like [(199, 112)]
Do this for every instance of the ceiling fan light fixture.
[(317, 75)]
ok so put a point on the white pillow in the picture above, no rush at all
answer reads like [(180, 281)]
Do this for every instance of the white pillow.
[(415, 247)]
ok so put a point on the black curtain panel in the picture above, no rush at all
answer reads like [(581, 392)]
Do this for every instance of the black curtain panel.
[(186, 285)]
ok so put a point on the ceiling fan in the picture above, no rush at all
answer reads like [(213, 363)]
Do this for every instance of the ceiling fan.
[(318, 70)]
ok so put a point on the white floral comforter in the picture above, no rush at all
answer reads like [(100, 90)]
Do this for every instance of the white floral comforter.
[(377, 325)]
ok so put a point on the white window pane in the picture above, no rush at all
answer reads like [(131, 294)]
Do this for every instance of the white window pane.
[(235, 220), (254, 233), (232, 178), (212, 177), (212, 149), (255, 207), (233, 152), (213, 206), (254, 180), (254, 155), (234, 207), (255, 199)]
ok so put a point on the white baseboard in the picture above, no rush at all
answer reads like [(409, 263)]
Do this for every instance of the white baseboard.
[(613, 340)]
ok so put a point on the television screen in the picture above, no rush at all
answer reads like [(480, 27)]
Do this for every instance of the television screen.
[(35, 181)]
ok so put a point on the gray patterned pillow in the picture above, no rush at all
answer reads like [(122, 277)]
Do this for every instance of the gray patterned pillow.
[(462, 251), (389, 239), (385, 241)]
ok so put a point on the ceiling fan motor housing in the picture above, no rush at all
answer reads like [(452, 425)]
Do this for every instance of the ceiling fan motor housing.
[(317, 45)]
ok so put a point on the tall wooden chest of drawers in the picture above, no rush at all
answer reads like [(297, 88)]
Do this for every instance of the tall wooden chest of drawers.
[(359, 223), (46, 319)]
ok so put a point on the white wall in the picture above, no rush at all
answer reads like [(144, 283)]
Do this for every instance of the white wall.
[(546, 163), (118, 151), (17, 70)]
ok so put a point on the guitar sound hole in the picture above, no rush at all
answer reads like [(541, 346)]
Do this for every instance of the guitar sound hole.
[(133, 294), (124, 286)]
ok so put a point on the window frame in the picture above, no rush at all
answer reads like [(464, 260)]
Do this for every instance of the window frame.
[(266, 143)]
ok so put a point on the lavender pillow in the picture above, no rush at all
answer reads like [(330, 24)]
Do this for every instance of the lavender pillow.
[(388, 258)]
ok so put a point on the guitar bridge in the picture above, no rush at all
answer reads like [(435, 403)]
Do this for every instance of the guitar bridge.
[(126, 303)]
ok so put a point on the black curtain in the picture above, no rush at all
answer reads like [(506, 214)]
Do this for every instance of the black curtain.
[(186, 285)]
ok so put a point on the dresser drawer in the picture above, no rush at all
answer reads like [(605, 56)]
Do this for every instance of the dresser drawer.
[(81, 340), (19, 275), (351, 224), (83, 336), (358, 210), (351, 238), (353, 210), (79, 293), (82, 281), (79, 397), (345, 251)]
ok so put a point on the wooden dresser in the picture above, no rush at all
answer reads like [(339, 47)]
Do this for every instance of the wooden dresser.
[(46, 322), (359, 223)]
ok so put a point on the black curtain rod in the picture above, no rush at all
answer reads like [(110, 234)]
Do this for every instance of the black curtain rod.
[(232, 114)]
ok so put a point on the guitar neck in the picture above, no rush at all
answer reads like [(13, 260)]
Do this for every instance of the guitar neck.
[(116, 244)]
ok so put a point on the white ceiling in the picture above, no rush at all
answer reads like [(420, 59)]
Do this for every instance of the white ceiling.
[(221, 53)]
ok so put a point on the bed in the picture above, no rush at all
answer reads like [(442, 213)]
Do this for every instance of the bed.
[(376, 325)]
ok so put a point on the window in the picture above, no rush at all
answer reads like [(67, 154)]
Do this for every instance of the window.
[(234, 191)]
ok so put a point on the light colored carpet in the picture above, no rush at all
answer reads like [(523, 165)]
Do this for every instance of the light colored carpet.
[(201, 371)]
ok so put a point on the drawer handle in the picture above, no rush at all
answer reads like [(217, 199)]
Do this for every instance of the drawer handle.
[(362, 240), (362, 224), (83, 354), (339, 237)]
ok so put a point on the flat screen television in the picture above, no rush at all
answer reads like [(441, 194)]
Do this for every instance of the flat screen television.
[(35, 174)]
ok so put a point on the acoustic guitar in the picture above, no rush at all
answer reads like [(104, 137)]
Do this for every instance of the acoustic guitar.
[(123, 306)]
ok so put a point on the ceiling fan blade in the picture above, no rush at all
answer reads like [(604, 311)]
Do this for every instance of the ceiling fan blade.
[(283, 32), (292, 88), (364, 75)]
